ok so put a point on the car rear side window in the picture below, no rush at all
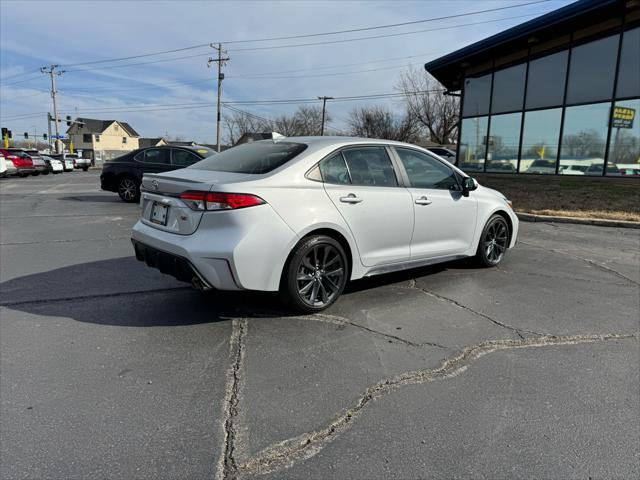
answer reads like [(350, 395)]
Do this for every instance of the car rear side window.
[(183, 158), (426, 172), (334, 170), (370, 166), (253, 158), (157, 155)]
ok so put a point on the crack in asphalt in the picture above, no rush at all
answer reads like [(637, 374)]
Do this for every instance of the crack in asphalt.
[(517, 330), (339, 320), (227, 468), (560, 277), (46, 301), (587, 260), (44, 242), (286, 453)]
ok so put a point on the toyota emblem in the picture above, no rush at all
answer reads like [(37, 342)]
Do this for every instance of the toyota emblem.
[(154, 184)]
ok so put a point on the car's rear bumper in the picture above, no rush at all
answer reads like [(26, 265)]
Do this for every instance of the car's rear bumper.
[(170, 264), (26, 170), (243, 249)]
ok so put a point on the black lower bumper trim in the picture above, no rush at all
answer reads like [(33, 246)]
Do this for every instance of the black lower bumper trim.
[(168, 263)]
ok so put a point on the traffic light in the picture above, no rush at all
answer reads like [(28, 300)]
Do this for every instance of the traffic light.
[(26, 135), (5, 132), (68, 120), (44, 136), (9, 134)]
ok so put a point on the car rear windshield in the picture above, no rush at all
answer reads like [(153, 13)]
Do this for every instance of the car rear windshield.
[(256, 157)]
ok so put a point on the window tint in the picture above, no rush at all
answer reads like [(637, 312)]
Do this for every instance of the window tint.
[(629, 74), (183, 158), (253, 158), (592, 69), (540, 141), (471, 153), (426, 172), (504, 141), (157, 155), (334, 170), (86, 138), (508, 89), (624, 147), (477, 92), (584, 137), (545, 87), (370, 166)]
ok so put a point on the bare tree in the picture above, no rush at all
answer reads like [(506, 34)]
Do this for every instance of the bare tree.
[(240, 123), (306, 120), (380, 122), (425, 101)]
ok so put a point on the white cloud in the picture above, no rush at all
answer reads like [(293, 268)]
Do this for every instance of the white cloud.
[(70, 32)]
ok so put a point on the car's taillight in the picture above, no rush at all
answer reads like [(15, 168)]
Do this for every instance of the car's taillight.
[(218, 200)]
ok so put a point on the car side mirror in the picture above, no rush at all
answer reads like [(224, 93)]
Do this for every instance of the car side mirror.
[(468, 184)]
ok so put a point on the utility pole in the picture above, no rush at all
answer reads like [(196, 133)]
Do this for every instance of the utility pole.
[(324, 107), (221, 62), (49, 130), (52, 72)]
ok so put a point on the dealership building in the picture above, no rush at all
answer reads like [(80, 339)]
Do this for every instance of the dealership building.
[(559, 94)]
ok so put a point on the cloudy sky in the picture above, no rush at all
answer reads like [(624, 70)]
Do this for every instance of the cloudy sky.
[(174, 93)]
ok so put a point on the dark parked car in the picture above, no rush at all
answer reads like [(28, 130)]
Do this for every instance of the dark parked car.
[(596, 169), (20, 160), (123, 175), (502, 167), (443, 152)]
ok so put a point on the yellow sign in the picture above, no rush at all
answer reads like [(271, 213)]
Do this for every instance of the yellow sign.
[(70, 146), (6, 141), (541, 152), (623, 117)]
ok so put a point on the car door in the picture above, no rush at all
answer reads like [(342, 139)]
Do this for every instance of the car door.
[(181, 158), (154, 160), (363, 185), (445, 220)]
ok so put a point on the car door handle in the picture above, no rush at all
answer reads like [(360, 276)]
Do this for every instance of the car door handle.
[(351, 198), (423, 200)]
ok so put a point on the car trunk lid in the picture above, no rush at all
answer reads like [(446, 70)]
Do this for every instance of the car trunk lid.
[(160, 202)]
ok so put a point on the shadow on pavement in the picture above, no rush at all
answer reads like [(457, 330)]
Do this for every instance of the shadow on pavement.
[(125, 292)]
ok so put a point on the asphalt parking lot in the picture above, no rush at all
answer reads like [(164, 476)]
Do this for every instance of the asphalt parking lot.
[(111, 370)]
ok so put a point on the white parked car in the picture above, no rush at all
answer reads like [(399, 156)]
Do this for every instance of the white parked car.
[(56, 165), (305, 215)]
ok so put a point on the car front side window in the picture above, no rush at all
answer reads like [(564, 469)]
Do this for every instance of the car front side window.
[(370, 166), (183, 158), (426, 172)]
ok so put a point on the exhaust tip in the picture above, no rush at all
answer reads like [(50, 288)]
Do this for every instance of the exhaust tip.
[(199, 284)]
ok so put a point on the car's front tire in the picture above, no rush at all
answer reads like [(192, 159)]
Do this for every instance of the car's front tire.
[(84, 169), (494, 242), (128, 189), (315, 274)]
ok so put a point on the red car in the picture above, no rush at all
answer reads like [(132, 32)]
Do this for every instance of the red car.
[(21, 161)]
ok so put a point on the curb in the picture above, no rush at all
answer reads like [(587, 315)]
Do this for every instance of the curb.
[(600, 222)]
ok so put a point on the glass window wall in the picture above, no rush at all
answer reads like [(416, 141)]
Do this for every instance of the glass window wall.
[(540, 136), (504, 141), (624, 145), (471, 153)]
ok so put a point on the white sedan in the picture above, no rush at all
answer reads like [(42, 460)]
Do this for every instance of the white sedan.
[(304, 215), (56, 165)]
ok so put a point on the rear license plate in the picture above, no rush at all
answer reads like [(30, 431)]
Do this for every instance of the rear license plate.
[(159, 213)]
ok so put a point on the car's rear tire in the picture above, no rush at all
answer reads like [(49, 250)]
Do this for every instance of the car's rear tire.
[(493, 243), (35, 174), (128, 189), (85, 169), (315, 274)]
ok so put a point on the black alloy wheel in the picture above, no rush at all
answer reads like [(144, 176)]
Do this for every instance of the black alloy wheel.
[(493, 242), (128, 190), (316, 274)]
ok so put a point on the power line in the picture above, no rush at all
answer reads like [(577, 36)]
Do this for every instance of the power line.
[(333, 42), (391, 25), (290, 37)]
